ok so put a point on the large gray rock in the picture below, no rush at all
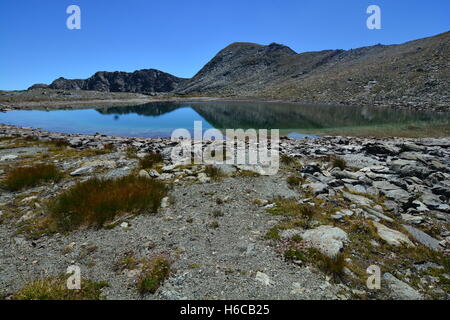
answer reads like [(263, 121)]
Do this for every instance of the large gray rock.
[(398, 195), (363, 201), (399, 290), (391, 236), (423, 238), (327, 239), (317, 187)]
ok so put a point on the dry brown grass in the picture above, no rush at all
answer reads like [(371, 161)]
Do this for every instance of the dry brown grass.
[(24, 177), (150, 160), (98, 201)]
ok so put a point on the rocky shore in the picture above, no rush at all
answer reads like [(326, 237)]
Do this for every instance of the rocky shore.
[(382, 202)]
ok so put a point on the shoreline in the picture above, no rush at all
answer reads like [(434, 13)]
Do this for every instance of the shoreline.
[(89, 103), (7, 131)]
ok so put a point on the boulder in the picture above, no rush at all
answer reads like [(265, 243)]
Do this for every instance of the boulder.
[(423, 238), (399, 290), (363, 201), (327, 239), (392, 237)]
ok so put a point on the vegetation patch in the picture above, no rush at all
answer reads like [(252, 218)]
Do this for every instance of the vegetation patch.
[(97, 201), (338, 162), (55, 288), (26, 177), (150, 160), (153, 274), (333, 267), (127, 262), (213, 172), (273, 234), (287, 160), (246, 174), (294, 181)]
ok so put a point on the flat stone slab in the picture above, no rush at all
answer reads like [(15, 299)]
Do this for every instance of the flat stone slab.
[(400, 290), (391, 236), (423, 238)]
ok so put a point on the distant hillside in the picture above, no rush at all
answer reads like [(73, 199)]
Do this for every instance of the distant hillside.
[(148, 81), (415, 73)]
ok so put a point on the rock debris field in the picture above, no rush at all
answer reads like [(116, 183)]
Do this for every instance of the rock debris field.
[(336, 206)]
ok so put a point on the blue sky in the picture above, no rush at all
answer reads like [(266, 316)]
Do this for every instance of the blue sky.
[(180, 36)]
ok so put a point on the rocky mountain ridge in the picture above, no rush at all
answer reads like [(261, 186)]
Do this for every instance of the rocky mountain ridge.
[(148, 81), (411, 74)]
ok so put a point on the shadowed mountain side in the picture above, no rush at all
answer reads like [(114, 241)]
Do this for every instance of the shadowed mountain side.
[(149, 81)]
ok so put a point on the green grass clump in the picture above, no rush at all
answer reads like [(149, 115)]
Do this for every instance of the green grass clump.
[(294, 254), (291, 208), (334, 267), (273, 234), (127, 262), (97, 201), (150, 160), (154, 272), (26, 177), (55, 288), (331, 266)]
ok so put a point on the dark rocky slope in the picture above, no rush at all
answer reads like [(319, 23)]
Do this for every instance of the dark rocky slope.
[(148, 81)]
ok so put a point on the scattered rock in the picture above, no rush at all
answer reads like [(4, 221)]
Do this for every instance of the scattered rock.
[(327, 239), (423, 238), (400, 290), (392, 237)]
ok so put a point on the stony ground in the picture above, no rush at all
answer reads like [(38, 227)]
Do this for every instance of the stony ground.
[(229, 238)]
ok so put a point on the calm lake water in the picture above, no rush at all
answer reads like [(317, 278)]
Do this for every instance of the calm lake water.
[(160, 119)]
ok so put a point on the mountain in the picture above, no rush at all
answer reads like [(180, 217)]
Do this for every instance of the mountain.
[(141, 81), (414, 73)]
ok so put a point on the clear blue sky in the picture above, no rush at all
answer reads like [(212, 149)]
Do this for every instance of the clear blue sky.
[(180, 36)]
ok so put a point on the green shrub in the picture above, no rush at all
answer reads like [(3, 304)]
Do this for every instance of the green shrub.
[(154, 272), (97, 201), (25, 177), (294, 254)]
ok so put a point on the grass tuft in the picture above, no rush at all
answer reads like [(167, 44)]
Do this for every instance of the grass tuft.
[(213, 172), (25, 177), (55, 288), (154, 272), (97, 201), (150, 160), (294, 181), (286, 160), (338, 162)]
